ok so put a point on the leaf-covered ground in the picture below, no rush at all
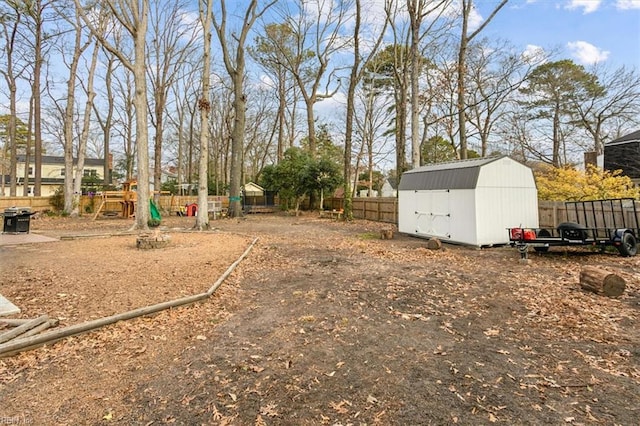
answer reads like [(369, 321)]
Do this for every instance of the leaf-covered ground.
[(323, 323)]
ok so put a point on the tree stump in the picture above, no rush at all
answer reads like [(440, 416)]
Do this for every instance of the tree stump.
[(601, 282), (154, 241), (434, 244), (386, 234)]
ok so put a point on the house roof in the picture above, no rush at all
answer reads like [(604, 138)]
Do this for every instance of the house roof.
[(50, 159), (631, 137), (462, 174), (253, 189), (393, 181)]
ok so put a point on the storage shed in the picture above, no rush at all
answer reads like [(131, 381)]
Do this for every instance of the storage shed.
[(469, 201)]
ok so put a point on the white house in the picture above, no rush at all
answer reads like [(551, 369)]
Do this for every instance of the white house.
[(469, 202)]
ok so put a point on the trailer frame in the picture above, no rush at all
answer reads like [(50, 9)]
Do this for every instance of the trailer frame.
[(602, 223)]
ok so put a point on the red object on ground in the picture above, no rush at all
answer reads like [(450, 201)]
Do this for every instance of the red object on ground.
[(192, 209)]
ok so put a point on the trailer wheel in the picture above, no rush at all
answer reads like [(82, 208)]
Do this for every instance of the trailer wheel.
[(543, 233), (629, 245)]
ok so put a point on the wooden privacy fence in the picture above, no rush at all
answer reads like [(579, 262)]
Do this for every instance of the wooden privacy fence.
[(379, 209), (34, 203), (166, 203), (550, 213)]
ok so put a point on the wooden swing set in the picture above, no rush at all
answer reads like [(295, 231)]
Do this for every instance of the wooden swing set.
[(126, 199)]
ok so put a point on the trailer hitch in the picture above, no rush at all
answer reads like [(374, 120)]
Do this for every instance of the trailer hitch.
[(523, 249)]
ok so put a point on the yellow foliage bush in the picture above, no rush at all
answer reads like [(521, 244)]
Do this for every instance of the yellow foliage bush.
[(570, 184)]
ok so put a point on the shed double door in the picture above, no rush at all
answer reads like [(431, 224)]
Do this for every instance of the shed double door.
[(433, 213)]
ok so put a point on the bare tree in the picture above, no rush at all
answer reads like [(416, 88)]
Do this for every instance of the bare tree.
[(465, 39), (171, 44), (11, 71), (269, 52), (357, 71), (183, 92), (317, 38), (395, 59), (262, 127), (84, 132), (107, 123), (419, 10), (620, 99), (204, 105), (79, 46), (37, 11), (236, 67), (372, 120), (495, 73), (132, 15)]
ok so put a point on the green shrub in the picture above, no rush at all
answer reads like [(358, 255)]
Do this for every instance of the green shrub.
[(57, 199)]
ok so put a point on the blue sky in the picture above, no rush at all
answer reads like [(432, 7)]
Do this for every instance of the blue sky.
[(586, 31)]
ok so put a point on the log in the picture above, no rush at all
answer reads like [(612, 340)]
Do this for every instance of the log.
[(23, 328), (386, 234), (434, 244), (602, 282), (14, 321), (38, 329)]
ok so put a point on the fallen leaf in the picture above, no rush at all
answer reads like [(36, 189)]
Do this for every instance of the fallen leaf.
[(269, 410)]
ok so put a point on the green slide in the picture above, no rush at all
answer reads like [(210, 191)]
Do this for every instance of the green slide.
[(155, 214)]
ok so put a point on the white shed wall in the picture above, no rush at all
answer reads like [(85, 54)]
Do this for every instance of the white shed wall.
[(506, 197)]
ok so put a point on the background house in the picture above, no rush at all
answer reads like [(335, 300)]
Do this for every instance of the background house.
[(624, 154), (52, 173)]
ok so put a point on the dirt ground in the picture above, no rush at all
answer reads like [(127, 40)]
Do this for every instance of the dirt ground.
[(322, 323)]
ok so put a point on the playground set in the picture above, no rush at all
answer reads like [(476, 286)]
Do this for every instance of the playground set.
[(124, 202)]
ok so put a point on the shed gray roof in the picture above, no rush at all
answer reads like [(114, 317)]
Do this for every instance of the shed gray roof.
[(461, 174)]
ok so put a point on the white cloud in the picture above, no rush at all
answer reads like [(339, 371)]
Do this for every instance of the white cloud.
[(266, 82), (332, 107), (475, 19), (534, 54), (586, 53), (628, 4), (587, 6)]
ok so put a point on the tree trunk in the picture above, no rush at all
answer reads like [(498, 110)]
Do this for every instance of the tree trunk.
[(351, 91), (415, 14), (142, 131), (37, 104), (601, 282), (84, 135), (69, 120), (11, 30), (204, 105), (462, 53)]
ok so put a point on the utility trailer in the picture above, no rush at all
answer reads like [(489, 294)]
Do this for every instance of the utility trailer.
[(611, 222)]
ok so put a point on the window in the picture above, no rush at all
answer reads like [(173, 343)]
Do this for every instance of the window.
[(90, 173), (61, 172), (30, 170)]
